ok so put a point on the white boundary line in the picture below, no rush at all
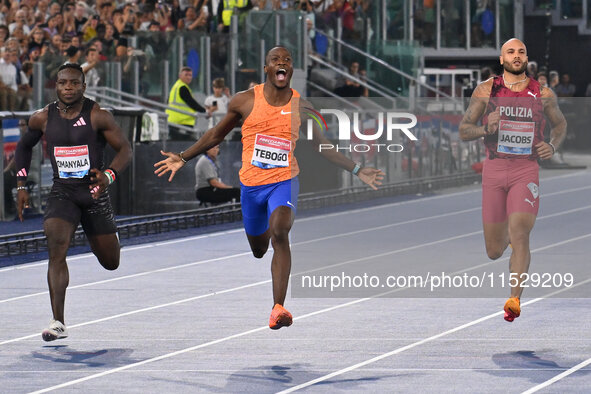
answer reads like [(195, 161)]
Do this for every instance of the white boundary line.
[(558, 377), (224, 339)]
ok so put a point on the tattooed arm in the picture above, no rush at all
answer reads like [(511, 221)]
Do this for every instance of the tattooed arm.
[(557, 122), (469, 130)]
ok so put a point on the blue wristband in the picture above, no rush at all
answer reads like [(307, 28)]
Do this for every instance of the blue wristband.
[(356, 169)]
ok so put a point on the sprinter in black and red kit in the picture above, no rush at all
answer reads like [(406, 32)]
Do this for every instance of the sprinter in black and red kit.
[(76, 131)]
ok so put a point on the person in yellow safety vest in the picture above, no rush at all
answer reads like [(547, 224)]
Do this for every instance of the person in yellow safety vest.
[(228, 10), (181, 97)]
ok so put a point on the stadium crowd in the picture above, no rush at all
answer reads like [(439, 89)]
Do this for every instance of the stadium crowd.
[(55, 32)]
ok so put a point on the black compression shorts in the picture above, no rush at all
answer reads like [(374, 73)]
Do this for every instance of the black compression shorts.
[(74, 204)]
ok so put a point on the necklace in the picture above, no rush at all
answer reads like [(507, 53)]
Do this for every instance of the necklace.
[(64, 110), (513, 83)]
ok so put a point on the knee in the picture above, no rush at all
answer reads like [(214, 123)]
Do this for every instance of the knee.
[(258, 253), (110, 263), (280, 235), (494, 254), (519, 238)]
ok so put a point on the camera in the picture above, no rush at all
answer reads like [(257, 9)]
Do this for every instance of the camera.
[(214, 103)]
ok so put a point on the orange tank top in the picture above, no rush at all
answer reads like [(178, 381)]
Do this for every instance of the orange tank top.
[(269, 136)]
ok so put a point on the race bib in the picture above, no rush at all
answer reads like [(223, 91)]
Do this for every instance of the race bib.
[(72, 161), (516, 138), (270, 152)]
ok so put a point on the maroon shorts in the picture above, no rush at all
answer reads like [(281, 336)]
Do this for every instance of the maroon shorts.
[(509, 186)]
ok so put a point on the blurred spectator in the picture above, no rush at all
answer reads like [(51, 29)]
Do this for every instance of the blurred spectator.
[(176, 14), (69, 20), (72, 54), (8, 86), (181, 97), (155, 45), (51, 26), (37, 38), (532, 69), (89, 28), (125, 55), (54, 8), (229, 6), (33, 54), (105, 11), (43, 8), (193, 20), (98, 44), (543, 79), (164, 17), (565, 88), (52, 58), (90, 67), (80, 15), (25, 87), (486, 73), (108, 39), (553, 80), (20, 20), (4, 34), (348, 87), (217, 103), (208, 185), (75, 41)]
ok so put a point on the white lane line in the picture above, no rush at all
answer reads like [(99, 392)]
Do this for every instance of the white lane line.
[(150, 308), (308, 242), (294, 244), (182, 351), (134, 275), (82, 256), (311, 271), (291, 370), (317, 217), (242, 254), (558, 377), (418, 343)]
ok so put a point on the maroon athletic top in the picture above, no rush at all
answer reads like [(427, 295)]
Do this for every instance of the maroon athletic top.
[(521, 124)]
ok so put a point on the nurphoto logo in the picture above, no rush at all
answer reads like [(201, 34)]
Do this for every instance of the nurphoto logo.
[(387, 123)]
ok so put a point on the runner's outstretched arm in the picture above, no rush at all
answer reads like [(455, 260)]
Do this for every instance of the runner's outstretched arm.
[(371, 176), (213, 137)]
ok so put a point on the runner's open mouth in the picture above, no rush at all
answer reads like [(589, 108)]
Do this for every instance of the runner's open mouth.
[(281, 74)]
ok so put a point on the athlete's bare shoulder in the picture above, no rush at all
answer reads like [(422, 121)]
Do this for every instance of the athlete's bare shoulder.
[(101, 118), (38, 121), (304, 103), (242, 103), (483, 89)]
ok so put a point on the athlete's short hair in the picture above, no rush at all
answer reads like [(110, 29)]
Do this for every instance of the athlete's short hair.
[(74, 66)]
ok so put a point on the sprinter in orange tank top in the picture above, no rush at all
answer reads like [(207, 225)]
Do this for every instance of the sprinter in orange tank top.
[(268, 177), (513, 107)]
